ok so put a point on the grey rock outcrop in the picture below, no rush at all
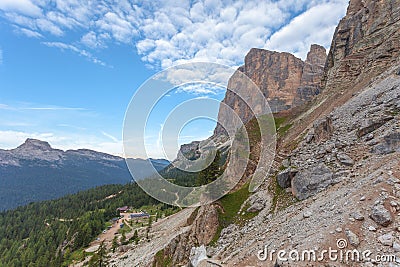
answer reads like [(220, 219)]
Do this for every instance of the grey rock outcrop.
[(197, 254), (390, 144), (311, 181), (284, 178), (323, 129), (364, 45)]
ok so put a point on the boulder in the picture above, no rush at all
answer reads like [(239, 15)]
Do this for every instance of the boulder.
[(386, 239), (381, 215), (357, 216), (259, 201), (390, 144), (284, 178), (323, 129), (371, 125), (197, 254), (345, 159), (310, 181), (352, 237)]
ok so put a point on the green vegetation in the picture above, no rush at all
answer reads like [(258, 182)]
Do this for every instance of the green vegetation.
[(229, 214), (281, 125), (53, 233), (100, 258), (281, 198), (160, 260), (211, 173), (193, 216), (179, 177)]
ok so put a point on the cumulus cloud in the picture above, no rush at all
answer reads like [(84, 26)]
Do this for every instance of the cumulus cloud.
[(200, 89), (25, 7), (316, 25), (92, 40), (217, 31), (165, 33)]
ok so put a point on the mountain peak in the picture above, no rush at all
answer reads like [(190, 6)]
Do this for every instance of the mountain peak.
[(36, 144)]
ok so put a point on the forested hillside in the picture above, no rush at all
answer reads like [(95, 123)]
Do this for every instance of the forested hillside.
[(35, 171), (47, 233)]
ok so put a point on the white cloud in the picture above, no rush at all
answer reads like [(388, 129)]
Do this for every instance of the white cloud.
[(4, 106), (48, 26), (25, 7), (111, 137), (166, 33), (63, 127), (121, 29), (224, 31), (200, 89), (316, 25), (91, 40), (75, 49), (28, 33), (12, 139)]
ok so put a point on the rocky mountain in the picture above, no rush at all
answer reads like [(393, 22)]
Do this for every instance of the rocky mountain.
[(365, 44), (285, 80), (335, 179), (35, 171)]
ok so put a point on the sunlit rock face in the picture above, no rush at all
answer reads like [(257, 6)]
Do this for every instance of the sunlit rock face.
[(285, 80)]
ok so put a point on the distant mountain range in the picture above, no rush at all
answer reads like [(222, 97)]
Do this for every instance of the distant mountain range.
[(35, 171)]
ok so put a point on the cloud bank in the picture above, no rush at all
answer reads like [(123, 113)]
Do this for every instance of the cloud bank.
[(169, 32)]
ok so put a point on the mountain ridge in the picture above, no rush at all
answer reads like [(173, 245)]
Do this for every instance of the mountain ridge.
[(35, 171)]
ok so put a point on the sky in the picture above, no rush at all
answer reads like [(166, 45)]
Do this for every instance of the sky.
[(69, 68)]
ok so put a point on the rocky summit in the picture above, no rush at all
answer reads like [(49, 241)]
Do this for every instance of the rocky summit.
[(335, 180), (285, 80)]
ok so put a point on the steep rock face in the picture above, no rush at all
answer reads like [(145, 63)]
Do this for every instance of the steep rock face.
[(285, 80), (201, 232), (366, 42)]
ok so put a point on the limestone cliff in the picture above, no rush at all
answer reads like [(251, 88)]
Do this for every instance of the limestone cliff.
[(366, 42), (340, 157), (285, 80)]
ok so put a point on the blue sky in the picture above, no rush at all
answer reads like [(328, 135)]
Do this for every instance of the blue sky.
[(69, 68)]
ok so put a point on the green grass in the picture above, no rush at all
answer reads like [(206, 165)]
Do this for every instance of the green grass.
[(76, 256), (161, 260), (124, 230), (281, 125), (231, 204), (279, 121), (192, 216), (283, 129), (281, 199)]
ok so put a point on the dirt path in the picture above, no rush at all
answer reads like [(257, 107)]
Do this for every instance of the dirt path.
[(109, 235)]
